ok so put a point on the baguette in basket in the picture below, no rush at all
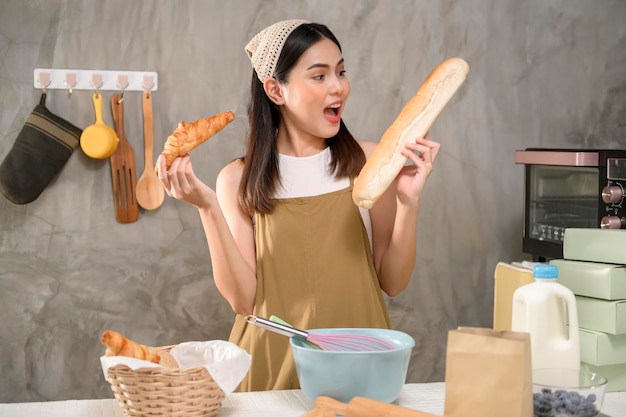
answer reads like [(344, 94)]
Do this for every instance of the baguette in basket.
[(205, 372), (118, 345)]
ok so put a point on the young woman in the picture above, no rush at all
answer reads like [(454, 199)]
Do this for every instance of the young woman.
[(285, 237)]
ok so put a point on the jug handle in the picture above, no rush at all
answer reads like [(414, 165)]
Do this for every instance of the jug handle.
[(572, 311)]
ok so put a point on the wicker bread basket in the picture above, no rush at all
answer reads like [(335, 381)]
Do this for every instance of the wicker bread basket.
[(172, 392)]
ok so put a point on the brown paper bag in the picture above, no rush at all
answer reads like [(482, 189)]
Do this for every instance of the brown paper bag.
[(488, 373)]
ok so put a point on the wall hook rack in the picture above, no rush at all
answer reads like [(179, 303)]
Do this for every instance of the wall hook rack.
[(100, 80)]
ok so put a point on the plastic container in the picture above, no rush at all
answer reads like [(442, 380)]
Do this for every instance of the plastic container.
[(544, 309)]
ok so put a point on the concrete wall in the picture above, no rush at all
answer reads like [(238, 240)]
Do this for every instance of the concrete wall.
[(542, 73)]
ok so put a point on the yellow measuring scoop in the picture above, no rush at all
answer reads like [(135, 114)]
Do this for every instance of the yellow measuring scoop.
[(98, 140)]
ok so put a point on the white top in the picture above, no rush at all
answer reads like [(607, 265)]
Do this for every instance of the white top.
[(310, 176)]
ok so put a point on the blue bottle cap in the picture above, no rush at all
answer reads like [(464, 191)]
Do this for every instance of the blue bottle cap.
[(545, 271)]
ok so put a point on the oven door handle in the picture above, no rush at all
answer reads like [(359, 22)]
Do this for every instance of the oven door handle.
[(574, 159)]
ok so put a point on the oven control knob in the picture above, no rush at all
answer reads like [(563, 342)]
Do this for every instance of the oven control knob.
[(613, 222), (612, 194)]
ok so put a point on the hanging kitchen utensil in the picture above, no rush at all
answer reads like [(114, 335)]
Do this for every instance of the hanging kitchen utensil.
[(123, 173), (98, 140), (41, 149), (149, 191), (334, 342)]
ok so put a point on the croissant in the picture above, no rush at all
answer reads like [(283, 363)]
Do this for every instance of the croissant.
[(118, 345), (189, 136)]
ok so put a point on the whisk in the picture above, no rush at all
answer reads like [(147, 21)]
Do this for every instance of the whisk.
[(333, 342)]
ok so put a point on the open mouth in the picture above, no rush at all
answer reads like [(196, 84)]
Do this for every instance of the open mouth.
[(333, 110)]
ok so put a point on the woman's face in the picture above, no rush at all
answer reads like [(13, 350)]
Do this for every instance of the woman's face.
[(317, 90)]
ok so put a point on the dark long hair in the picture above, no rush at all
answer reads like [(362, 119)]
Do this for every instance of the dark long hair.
[(261, 176)]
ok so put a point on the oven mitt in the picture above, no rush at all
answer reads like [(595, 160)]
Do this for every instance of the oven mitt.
[(41, 149)]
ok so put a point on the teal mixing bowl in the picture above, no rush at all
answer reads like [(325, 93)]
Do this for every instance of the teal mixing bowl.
[(343, 375)]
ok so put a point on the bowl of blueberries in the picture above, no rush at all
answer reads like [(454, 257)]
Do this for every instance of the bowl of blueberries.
[(567, 393)]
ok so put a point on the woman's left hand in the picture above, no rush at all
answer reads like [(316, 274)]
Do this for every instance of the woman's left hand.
[(181, 182), (411, 180)]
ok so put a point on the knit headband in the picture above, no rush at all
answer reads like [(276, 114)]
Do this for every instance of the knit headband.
[(265, 48)]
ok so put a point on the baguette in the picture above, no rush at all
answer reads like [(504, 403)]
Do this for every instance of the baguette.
[(188, 136), (413, 122), (118, 345)]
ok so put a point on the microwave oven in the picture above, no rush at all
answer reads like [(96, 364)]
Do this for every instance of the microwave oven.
[(570, 188)]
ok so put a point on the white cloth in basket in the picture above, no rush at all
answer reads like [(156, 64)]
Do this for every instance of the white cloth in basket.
[(226, 362)]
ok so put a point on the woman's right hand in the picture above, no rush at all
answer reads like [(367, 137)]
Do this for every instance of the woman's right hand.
[(181, 183)]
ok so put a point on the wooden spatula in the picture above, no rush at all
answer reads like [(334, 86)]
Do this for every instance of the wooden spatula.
[(123, 174)]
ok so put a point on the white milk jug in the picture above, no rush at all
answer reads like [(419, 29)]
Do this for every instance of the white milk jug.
[(544, 308)]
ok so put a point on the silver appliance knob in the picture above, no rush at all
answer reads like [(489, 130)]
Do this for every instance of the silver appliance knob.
[(612, 194), (612, 222)]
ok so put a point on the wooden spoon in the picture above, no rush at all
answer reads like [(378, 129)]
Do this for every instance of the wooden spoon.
[(149, 191)]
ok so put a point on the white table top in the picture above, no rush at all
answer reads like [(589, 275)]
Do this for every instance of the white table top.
[(292, 403)]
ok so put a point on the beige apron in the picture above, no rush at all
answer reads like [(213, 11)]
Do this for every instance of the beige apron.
[(314, 270)]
